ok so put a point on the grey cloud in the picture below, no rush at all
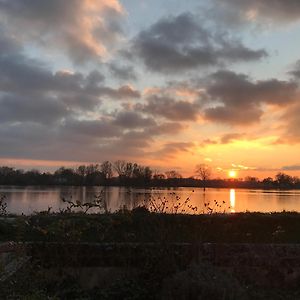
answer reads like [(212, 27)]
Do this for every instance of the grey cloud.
[(21, 109), (233, 116), (122, 72), (166, 128), (123, 92), (94, 78), (91, 128), (181, 43), (296, 70), (172, 109), (170, 150), (239, 99), (31, 79), (134, 139), (291, 121), (82, 29), (8, 44), (131, 119), (97, 139), (291, 168)]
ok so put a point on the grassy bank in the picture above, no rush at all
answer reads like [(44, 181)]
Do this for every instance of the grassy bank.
[(141, 226), (142, 255)]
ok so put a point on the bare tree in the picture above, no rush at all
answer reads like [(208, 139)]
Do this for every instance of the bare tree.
[(203, 172), (106, 169), (120, 167), (173, 174)]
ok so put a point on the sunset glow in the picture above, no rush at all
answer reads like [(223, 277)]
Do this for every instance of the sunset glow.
[(232, 174), (153, 84)]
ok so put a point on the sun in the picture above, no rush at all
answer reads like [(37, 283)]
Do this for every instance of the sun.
[(232, 173)]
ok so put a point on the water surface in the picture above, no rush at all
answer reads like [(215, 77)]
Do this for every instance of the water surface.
[(30, 199)]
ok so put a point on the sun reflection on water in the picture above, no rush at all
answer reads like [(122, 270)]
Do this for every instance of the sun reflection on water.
[(232, 200)]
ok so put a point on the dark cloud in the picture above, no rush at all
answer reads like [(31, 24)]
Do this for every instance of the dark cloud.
[(238, 100), (291, 168), (15, 108), (172, 109), (171, 150), (123, 92), (30, 85), (131, 119), (291, 125), (167, 128), (180, 43), (73, 140), (91, 128), (8, 44), (83, 28), (122, 72), (296, 70), (234, 116), (57, 116)]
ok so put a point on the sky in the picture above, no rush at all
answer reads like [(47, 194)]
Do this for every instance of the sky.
[(170, 84)]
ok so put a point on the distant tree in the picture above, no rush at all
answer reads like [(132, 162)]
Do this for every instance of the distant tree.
[(120, 167), (268, 182), (296, 181), (92, 168), (284, 180), (93, 175), (130, 169), (148, 174), (159, 176), (203, 172), (65, 176), (106, 169), (173, 174), (81, 171), (251, 179)]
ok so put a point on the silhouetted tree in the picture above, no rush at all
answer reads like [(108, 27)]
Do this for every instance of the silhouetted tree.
[(268, 182), (120, 167), (173, 174), (284, 180), (107, 170), (81, 171), (203, 172)]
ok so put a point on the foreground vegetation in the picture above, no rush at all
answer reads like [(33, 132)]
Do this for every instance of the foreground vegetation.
[(141, 226), (142, 255)]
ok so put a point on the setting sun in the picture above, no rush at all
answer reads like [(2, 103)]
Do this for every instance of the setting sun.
[(232, 173)]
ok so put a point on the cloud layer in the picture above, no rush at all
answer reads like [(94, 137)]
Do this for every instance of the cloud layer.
[(84, 29), (81, 81), (183, 42)]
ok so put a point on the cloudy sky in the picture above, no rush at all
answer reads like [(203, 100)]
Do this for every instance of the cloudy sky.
[(170, 84)]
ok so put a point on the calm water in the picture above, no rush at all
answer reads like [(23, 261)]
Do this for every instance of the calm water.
[(30, 199)]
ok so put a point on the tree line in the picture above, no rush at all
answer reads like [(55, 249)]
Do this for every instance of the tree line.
[(123, 173)]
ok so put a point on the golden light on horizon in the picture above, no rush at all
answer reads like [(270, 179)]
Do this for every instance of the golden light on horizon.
[(232, 173)]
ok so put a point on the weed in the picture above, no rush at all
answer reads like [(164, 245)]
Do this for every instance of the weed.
[(3, 205), (99, 204)]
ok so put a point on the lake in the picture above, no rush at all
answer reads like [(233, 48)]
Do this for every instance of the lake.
[(29, 199)]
